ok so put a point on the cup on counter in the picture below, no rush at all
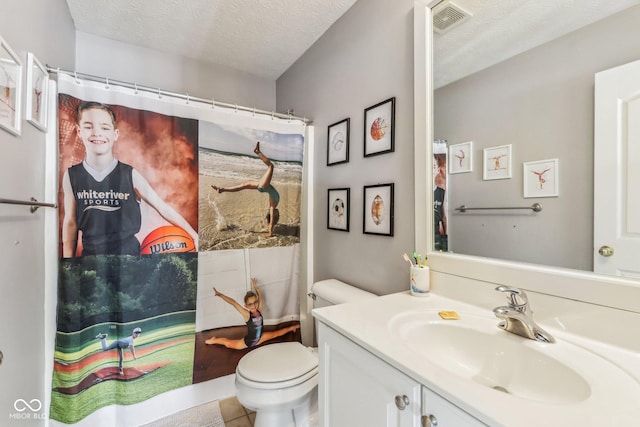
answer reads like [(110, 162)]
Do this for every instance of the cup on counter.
[(419, 283)]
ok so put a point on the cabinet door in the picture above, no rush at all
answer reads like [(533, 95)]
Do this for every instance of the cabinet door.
[(358, 389), (445, 413)]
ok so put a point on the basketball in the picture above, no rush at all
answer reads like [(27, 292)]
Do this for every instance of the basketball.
[(167, 239)]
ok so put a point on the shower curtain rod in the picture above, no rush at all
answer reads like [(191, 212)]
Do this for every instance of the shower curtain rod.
[(187, 97)]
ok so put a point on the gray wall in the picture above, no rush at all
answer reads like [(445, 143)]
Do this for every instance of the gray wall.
[(43, 27), (135, 64), (364, 58), (541, 102)]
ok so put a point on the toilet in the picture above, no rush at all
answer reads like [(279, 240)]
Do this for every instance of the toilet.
[(279, 381)]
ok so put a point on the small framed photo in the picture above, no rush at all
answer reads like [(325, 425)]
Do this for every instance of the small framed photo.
[(10, 89), (497, 163), (37, 87), (461, 157), (378, 209), (540, 178), (338, 143), (379, 123), (338, 212)]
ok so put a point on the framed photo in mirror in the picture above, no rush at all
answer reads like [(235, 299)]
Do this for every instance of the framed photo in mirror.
[(36, 93), (379, 124), (461, 157), (10, 89), (496, 163), (378, 209), (338, 142), (540, 178), (338, 209)]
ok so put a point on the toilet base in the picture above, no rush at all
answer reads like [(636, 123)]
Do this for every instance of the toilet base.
[(303, 415)]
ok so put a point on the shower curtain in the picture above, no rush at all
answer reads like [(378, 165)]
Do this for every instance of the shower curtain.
[(146, 234)]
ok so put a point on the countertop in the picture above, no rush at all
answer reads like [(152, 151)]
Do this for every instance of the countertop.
[(610, 401)]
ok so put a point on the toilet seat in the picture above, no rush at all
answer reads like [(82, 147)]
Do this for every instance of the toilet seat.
[(276, 366)]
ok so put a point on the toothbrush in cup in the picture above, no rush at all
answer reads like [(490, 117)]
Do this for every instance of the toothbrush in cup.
[(406, 258)]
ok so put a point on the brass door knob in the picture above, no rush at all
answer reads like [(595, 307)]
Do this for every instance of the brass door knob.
[(605, 251)]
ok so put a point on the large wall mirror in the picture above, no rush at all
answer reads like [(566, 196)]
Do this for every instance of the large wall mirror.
[(514, 81)]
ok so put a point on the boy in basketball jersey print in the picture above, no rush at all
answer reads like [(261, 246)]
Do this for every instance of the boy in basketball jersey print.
[(253, 318), (102, 195)]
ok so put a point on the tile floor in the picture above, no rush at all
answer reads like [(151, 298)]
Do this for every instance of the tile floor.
[(235, 415)]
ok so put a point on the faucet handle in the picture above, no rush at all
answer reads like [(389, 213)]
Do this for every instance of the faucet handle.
[(517, 297)]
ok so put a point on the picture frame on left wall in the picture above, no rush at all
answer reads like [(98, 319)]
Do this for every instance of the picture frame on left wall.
[(10, 89), (36, 93)]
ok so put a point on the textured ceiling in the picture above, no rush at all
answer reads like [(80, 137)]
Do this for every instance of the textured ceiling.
[(265, 37), (500, 29)]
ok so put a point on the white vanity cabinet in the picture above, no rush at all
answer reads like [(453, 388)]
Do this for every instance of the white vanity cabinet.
[(438, 411), (356, 388)]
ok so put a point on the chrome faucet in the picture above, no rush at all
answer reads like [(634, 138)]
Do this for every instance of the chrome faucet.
[(518, 317)]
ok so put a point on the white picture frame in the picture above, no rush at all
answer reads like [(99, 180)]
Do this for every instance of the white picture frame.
[(496, 162), (10, 89), (36, 93), (461, 157), (540, 178)]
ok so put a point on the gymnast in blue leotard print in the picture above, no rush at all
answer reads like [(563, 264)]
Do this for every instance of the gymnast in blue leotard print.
[(263, 186), (251, 313)]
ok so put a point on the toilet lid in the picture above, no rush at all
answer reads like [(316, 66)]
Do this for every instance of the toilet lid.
[(277, 362)]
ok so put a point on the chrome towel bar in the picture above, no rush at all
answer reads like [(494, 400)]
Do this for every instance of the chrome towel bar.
[(34, 203), (536, 207)]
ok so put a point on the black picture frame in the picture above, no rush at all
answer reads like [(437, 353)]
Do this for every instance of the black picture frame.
[(377, 210), (338, 142), (338, 209), (379, 128)]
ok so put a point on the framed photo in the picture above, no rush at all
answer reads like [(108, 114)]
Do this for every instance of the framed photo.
[(10, 89), (497, 163), (378, 209), (461, 157), (540, 178), (379, 123), (338, 143), (36, 96), (338, 212)]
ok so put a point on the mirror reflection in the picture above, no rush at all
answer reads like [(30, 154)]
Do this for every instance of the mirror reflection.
[(518, 113)]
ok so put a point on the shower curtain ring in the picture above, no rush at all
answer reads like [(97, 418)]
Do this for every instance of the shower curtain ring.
[(187, 98), (75, 74), (272, 115), (106, 80), (213, 103), (254, 111), (135, 86), (159, 94)]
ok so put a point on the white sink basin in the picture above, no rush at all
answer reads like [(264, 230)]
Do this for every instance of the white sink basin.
[(475, 349)]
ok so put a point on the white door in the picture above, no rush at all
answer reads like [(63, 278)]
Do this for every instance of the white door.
[(617, 171)]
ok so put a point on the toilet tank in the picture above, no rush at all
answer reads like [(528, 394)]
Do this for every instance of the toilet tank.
[(332, 292)]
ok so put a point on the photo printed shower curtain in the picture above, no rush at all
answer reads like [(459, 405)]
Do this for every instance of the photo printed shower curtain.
[(161, 201)]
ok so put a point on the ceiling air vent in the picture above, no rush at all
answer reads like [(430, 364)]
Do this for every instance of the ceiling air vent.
[(448, 15)]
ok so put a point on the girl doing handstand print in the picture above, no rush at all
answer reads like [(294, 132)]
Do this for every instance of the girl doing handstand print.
[(253, 318), (263, 186)]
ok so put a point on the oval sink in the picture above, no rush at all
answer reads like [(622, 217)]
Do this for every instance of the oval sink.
[(474, 348)]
